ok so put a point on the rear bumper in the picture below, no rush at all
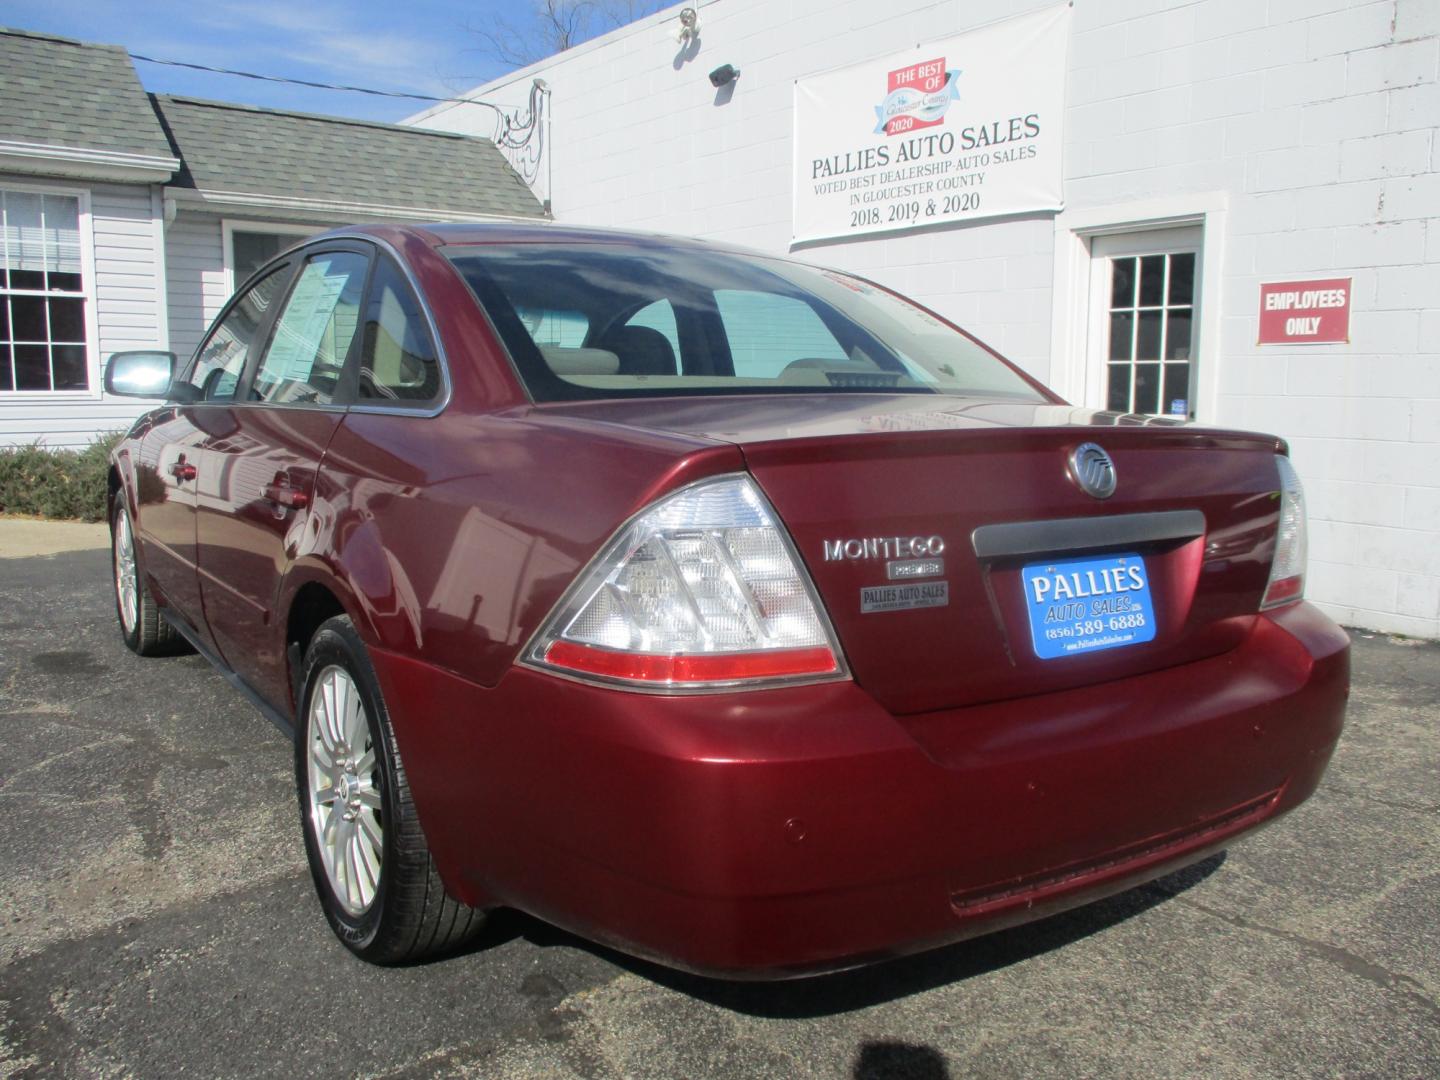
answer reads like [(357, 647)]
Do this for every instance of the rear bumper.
[(779, 832)]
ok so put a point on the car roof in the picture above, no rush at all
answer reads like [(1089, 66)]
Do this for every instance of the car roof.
[(462, 234)]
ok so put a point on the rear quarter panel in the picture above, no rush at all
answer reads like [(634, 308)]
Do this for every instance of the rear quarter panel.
[(456, 534)]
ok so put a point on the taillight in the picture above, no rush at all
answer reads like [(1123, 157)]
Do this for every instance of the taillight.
[(702, 590), (1287, 572)]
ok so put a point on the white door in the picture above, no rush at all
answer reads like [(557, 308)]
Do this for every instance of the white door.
[(1144, 322)]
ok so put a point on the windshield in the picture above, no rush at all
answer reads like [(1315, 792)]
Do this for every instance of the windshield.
[(611, 320)]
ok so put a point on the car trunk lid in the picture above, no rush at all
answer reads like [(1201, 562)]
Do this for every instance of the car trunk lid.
[(978, 501)]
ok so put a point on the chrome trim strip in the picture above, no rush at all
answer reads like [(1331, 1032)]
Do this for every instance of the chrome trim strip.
[(1078, 534)]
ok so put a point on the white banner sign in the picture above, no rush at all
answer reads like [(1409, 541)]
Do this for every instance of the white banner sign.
[(964, 128)]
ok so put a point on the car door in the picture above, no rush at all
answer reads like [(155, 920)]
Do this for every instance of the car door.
[(170, 483), (265, 462)]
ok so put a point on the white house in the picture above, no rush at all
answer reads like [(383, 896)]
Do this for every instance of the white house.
[(1201, 150), (128, 218)]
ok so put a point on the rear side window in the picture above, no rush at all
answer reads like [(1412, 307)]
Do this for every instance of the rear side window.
[(397, 362), (312, 337), (222, 357)]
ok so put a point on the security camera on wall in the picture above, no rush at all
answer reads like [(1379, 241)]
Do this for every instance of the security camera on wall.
[(724, 75)]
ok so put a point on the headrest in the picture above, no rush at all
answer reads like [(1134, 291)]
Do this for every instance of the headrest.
[(564, 361)]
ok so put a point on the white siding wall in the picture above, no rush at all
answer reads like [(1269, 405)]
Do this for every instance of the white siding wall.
[(198, 284), (125, 291), (1316, 120)]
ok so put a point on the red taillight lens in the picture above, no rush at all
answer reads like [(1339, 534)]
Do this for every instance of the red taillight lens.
[(1287, 571), (716, 667)]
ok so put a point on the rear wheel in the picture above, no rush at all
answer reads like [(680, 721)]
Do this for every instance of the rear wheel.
[(141, 626), (372, 870)]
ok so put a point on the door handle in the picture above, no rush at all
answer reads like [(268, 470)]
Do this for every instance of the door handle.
[(182, 470), (287, 496)]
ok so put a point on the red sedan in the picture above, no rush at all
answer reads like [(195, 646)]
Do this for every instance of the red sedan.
[(735, 612)]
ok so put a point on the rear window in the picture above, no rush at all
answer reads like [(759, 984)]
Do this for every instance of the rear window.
[(609, 320)]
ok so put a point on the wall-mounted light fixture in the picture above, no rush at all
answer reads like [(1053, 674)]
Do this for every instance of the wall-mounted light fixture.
[(724, 75), (689, 26)]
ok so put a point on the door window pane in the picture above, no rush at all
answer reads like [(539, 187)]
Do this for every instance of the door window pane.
[(1117, 391), (397, 364), (1177, 335), (1182, 278), (1147, 388), (312, 337), (1175, 401), (1152, 280), (222, 357), (1122, 290), (1147, 343)]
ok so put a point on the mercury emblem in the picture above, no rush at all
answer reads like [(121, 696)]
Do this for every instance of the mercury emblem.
[(1092, 470)]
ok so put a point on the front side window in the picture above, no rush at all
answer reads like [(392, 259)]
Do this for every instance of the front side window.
[(313, 334), (42, 294), (602, 320), (222, 358)]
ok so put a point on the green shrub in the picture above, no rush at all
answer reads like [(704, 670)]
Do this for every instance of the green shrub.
[(57, 483)]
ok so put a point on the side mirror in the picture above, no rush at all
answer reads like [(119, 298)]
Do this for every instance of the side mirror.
[(142, 373)]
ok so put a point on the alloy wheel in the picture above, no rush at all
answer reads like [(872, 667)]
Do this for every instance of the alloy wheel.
[(127, 582), (345, 802)]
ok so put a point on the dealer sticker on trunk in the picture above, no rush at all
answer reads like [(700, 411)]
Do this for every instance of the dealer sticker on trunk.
[(901, 597), (1085, 605)]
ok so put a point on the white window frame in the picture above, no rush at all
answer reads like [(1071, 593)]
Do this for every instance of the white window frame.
[(1169, 240), (91, 294), (230, 226), (1076, 366)]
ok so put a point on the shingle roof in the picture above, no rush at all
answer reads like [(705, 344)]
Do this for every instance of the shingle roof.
[(59, 92), (241, 148)]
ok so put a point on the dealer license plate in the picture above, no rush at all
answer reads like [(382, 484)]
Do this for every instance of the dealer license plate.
[(1085, 605)]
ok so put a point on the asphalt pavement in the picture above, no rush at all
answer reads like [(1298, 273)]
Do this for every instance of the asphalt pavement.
[(156, 919)]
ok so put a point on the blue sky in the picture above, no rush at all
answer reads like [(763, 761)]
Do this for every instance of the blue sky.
[(421, 46)]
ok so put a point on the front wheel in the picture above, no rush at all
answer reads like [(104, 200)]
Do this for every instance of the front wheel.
[(144, 631), (372, 870)]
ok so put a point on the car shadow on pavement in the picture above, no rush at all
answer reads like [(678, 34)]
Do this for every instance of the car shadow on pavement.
[(861, 988)]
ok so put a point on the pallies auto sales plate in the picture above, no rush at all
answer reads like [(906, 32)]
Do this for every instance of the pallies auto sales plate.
[(1084, 605)]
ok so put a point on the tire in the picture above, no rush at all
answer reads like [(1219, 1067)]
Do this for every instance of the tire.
[(145, 633), (372, 870)]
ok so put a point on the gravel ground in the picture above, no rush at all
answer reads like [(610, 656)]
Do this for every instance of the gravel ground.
[(156, 919)]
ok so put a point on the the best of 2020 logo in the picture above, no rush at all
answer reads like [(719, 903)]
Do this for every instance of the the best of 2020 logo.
[(918, 96)]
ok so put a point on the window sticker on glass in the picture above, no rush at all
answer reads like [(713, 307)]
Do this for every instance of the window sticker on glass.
[(299, 336), (313, 334)]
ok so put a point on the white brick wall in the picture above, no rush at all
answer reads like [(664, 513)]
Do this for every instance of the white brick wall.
[(1315, 118)]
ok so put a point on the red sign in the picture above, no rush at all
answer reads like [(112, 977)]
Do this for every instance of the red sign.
[(1305, 312), (917, 96)]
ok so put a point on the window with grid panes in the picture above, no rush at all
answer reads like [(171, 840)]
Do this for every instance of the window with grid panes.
[(42, 294), (1152, 305)]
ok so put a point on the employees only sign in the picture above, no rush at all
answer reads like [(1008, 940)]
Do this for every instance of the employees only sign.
[(1305, 312), (960, 129)]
